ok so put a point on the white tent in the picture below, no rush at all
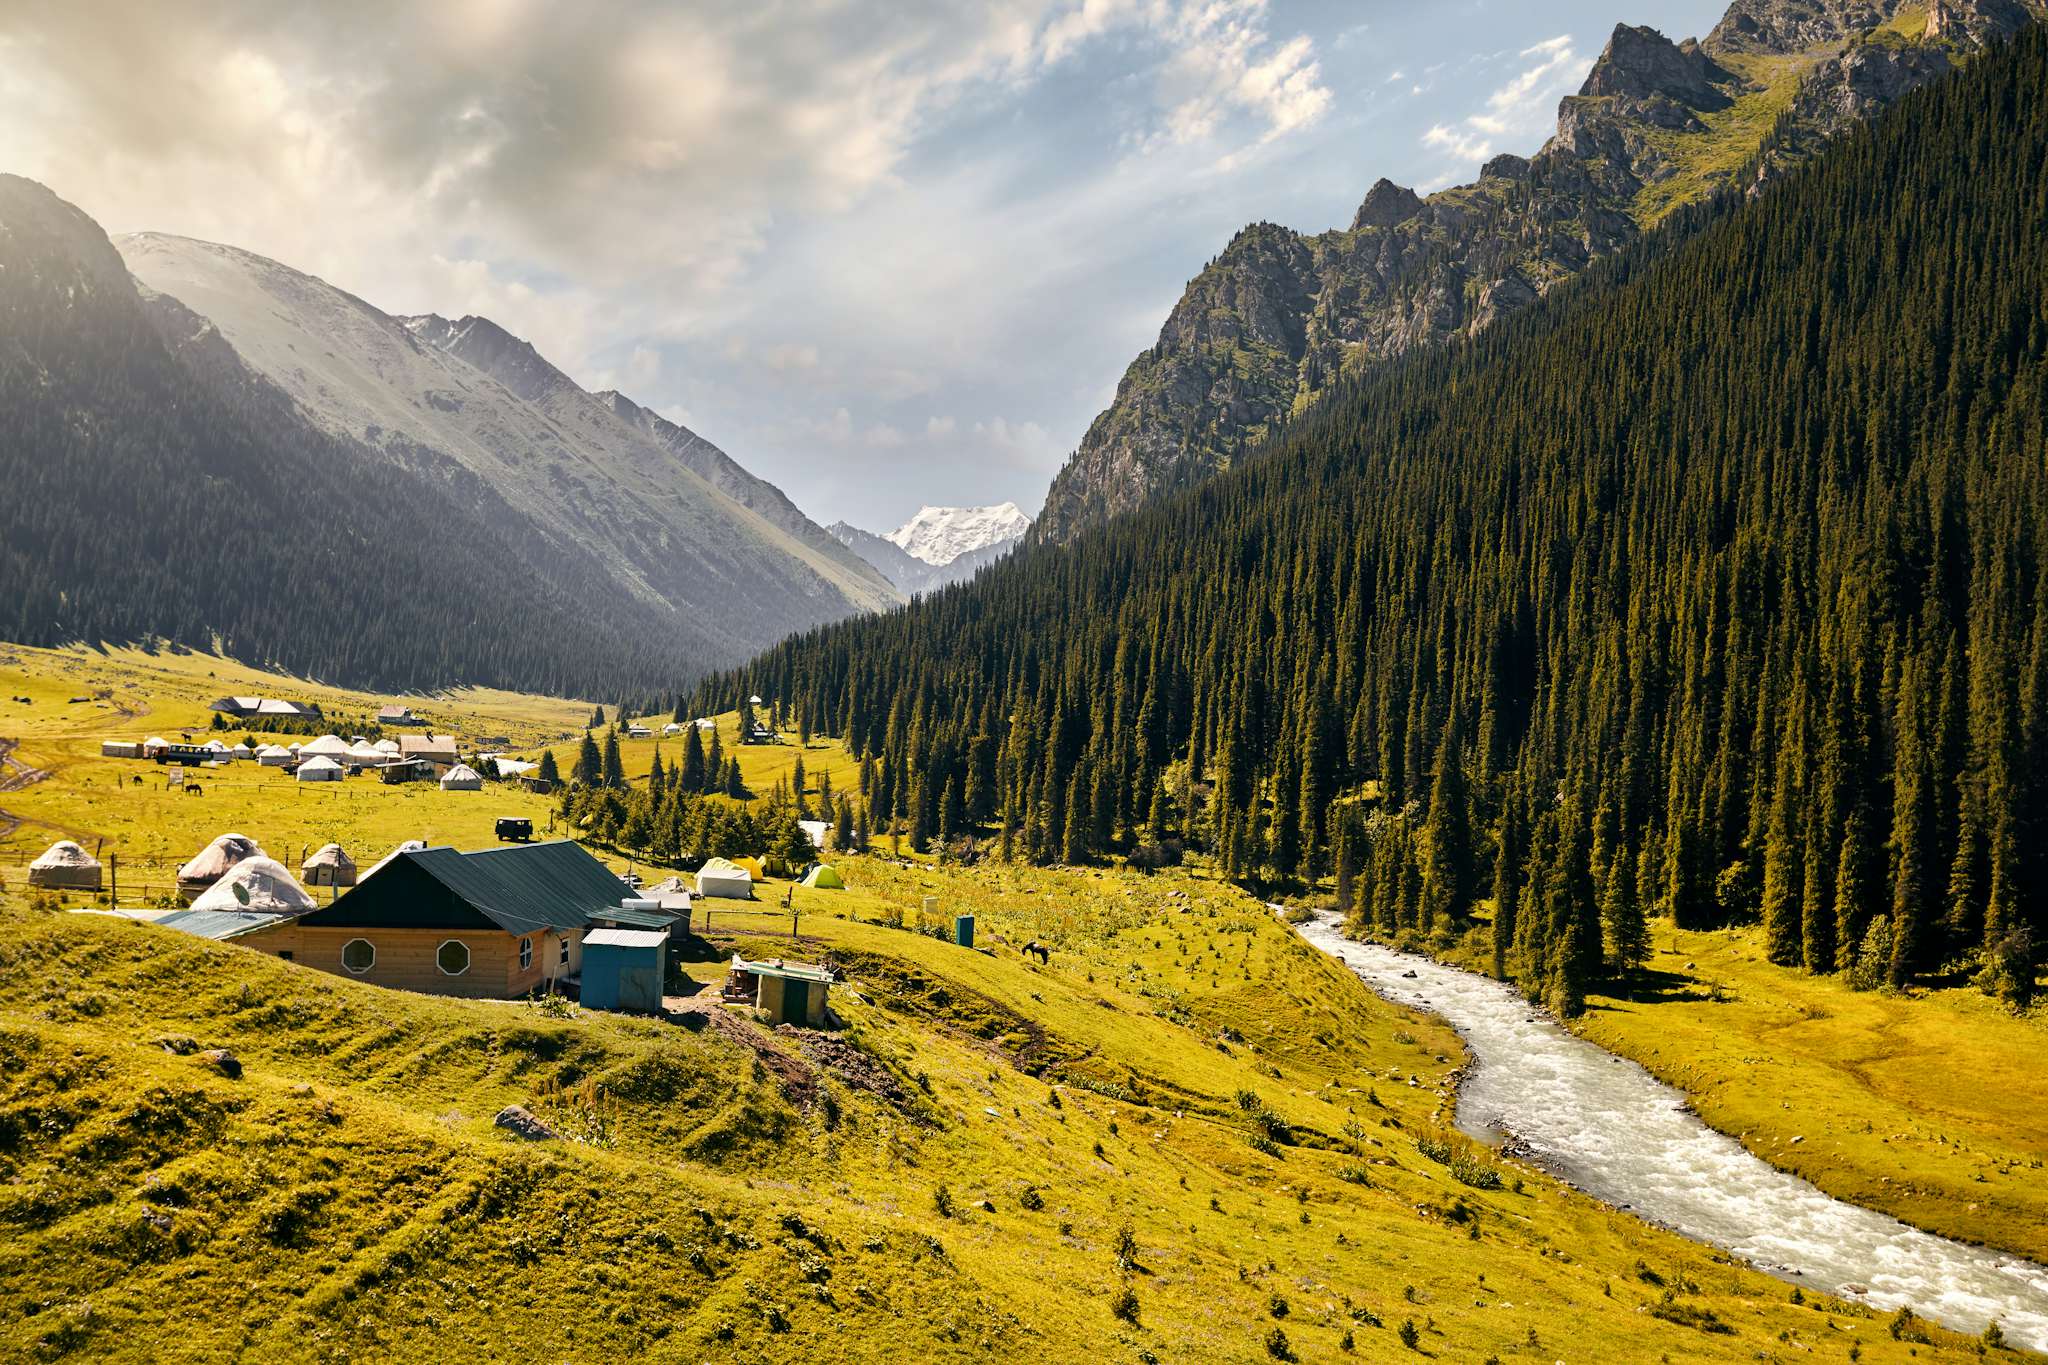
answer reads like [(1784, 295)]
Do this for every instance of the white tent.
[(817, 831), (327, 746), (295, 746), (214, 746), (462, 778), (154, 745), (720, 877), (516, 767), (319, 769), (273, 756), (215, 861), (672, 728), (260, 884), (409, 846), (65, 866), (242, 751), (388, 747), (365, 755), (329, 866)]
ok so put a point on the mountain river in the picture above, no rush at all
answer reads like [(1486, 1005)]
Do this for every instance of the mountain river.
[(1611, 1129)]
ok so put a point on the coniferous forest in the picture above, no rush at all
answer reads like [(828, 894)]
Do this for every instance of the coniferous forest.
[(1713, 586)]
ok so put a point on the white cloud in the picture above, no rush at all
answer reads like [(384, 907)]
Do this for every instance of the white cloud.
[(939, 428), (1522, 107)]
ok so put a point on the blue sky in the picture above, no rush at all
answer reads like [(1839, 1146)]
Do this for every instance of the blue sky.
[(883, 254)]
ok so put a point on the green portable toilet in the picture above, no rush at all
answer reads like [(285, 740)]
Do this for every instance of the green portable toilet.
[(963, 930)]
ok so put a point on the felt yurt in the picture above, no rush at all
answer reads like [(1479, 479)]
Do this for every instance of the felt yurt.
[(724, 878), (214, 746), (327, 746), (294, 746), (365, 755), (387, 747), (328, 866), (409, 846), (260, 884), (825, 878), (65, 866), (319, 768), (215, 861), (242, 752), (154, 745), (273, 756), (462, 778)]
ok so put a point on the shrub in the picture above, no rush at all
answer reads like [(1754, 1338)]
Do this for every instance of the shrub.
[(1125, 1305), (1031, 1199), (1277, 1346), (942, 1201), (1408, 1333), (1277, 1306)]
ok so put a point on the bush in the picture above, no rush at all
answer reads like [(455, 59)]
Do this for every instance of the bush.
[(1277, 1345), (1408, 1333), (1125, 1305), (942, 1201)]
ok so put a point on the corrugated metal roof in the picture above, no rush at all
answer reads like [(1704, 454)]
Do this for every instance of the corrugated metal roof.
[(635, 919), (794, 971), (219, 924), (624, 938), (526, 887)]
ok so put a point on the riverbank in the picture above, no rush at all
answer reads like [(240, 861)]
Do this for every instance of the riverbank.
[(1927, 1106)]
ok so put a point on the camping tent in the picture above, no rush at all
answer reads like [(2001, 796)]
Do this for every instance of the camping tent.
[(319, 768), (330, 866), (215, 861), (65, 866), (462, 778), (722, 877), (753, 867), (327, 746), (273, 756), (259, 884), (825, 878)]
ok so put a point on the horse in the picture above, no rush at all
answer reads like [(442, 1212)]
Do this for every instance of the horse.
[(192, 789), (1044, 953)]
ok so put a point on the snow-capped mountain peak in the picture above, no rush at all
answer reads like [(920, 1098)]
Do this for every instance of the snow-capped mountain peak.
[(940, 535)]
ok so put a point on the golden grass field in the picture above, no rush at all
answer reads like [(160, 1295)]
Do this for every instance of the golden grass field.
[(950, 1176)]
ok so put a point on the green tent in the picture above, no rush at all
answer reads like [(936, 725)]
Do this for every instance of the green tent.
[(826, 876)]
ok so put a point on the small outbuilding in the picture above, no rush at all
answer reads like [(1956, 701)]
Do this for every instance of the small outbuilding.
[(329, 866), (623, 969), (257, 884), (215, 861), (120, 748), (787, 992), (438, 750), (65, 866), (725, 879), (320, 768), (824, 877), (462, 778)]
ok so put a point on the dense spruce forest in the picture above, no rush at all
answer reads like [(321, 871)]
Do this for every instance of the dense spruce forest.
[(1714, 585), (151, 487)]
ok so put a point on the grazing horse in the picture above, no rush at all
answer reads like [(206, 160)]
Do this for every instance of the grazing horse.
[(1044, 953), (192, 789)]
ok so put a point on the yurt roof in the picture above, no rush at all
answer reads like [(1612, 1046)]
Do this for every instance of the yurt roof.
[(273, 750), (212, 862), (265, 884), (386, 746), (318, 763), (329, 855), (462, 772), (327, 744), (65, 853)]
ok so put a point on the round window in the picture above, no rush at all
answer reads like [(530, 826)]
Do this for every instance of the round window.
[(453, 957), (358, 955)]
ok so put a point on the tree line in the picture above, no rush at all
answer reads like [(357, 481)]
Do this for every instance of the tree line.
[(1714, 585)]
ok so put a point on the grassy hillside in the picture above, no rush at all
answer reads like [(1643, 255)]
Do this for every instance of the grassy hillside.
[(951, 1176)]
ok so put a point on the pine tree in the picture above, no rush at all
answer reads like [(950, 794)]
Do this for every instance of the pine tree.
[(1784, 894), (1621, 910), (696, 776), (549, 772), (1447, 838), (589, 763), (614, 767)]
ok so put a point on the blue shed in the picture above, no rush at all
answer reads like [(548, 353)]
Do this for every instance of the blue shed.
[(623, 968)]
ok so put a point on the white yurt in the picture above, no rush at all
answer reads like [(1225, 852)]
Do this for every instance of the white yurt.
[(365, 755), (260, 884), (462, 778), (154, 745), (294, 746), (215, 861), (319, 768), (65, 866), (273, 756), (722, 877), (409, 846), (387, 747), (242, 752), (674, 727), (214, 746), (327, 746), (329, 866)]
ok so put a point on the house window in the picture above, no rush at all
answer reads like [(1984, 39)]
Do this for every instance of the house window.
[(453, 957), (359, 955), (525, 953), (285, 956), (565, 950)]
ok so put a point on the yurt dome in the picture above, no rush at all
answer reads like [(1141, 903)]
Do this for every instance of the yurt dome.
[(409, 846), (327, 746), (65, 866), (462, 778), (319, 768), (259, 884), (329, 866), (215, 861)]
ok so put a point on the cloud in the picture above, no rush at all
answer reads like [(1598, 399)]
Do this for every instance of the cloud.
[(939, 428), (1522, 107)]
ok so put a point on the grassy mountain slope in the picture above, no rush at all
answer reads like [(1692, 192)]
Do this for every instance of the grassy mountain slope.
[(741, 1195)]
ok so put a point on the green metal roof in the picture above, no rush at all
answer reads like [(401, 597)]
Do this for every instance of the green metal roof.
[(635, 919), (521, 888), (219, 924), (792, 971)]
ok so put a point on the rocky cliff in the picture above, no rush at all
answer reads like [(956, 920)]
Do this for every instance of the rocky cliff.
[(1278, 317)]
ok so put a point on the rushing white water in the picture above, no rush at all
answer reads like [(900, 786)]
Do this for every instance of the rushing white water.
[(1616, 1132)]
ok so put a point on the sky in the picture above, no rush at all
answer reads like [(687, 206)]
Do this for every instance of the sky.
[(884, 253)]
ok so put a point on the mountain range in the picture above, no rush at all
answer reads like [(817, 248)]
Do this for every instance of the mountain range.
[(1279, 317), (939, 545), (641, 531)]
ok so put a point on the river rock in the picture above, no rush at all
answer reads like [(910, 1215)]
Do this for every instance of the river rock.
[(522, 1122)]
